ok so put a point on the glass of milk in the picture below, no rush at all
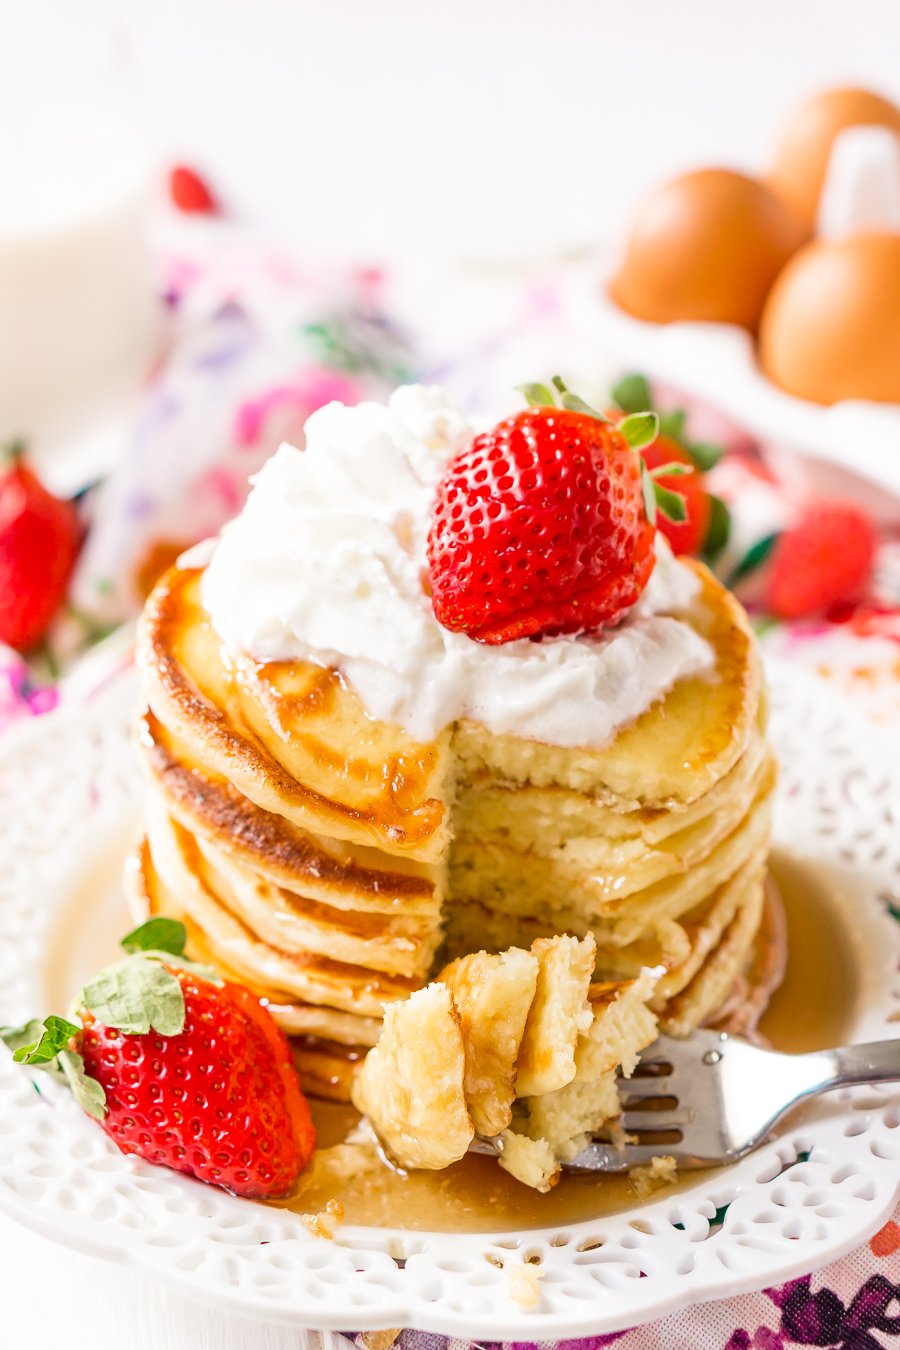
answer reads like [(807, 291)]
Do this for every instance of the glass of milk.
[(79, 317)]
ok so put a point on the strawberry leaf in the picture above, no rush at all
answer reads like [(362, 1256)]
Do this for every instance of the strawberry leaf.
[(56, 1033), (27, 1035), (674, 469), (572, 403), (718, 530), (537, 395), (632, 394), (670, 503), (647, 489), (754, 557), (88, 1093), (195, 968), (157, 935), (671, 423), (704, 454), (639, 429), (136, 995)]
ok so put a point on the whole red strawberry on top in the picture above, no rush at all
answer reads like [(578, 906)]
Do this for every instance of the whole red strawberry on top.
[(39, 541), (544, 525), (180, 1068)]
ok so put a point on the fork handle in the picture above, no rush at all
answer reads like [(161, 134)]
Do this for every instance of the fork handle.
[(875, 1062)]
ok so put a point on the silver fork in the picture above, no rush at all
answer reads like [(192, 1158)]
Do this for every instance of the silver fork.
[(711, 1098)]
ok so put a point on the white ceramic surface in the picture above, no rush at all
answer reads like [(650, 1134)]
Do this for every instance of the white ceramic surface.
[(69, 793)]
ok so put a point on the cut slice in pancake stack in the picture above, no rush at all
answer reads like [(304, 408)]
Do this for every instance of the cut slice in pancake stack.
[(520, 1047), (329, 860)]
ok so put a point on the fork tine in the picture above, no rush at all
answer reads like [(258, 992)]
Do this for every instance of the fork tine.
[(635, 1088), (659, 1066), (599, 1157), (657, 1120)]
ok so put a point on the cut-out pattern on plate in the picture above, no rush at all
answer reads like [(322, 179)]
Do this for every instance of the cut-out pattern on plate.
[(799, 1202)]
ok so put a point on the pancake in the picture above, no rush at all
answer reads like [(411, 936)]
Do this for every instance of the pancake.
[(330, 870), (333, 863), (296, 740), (306, 977), (291, 737)]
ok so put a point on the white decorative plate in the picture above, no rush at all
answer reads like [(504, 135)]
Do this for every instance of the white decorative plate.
[(68, 796)]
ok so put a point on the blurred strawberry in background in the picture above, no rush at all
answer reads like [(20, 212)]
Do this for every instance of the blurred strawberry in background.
[(39, 541), (688, 535), (704, 531), (190, 192), (823, 562)]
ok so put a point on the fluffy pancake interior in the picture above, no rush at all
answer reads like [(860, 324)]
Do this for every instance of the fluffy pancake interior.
[(437, 1077)]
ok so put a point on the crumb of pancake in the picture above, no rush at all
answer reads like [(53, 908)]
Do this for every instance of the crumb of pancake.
[(661, 1173), (380, 1340), (340, 1163), (618, 1135), (524, 1283), (325, 1222)]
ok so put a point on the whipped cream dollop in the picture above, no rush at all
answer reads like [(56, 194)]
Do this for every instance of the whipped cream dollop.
[(326, 561)]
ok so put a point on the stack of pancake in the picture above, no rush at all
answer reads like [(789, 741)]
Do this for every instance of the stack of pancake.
[(327, 859)]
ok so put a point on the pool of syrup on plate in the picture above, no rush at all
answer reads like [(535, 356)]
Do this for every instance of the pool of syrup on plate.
[(812, 1009)]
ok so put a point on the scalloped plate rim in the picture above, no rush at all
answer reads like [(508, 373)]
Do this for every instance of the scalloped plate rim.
[(401, 1309)]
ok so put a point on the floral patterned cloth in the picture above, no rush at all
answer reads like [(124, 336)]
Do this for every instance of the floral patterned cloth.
[(851, 1305), (255, 345)]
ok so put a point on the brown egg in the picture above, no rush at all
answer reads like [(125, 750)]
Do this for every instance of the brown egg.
[(831, 327), (706, 246), (801, 160)]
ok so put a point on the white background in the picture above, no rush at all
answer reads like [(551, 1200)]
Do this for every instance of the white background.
[(498, 130), (485, 127)]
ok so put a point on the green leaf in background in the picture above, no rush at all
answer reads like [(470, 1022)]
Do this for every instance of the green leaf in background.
[(632, 393), (718, 531), (136, 995), (763, 623), (639, 429), (572, 403), (670, 503), (157, 935), (753, 558), (537, 395), (674, 469), (647, 488), (202, 972), (671, 423), (87, 1092), (704, 454), (56, 1033)]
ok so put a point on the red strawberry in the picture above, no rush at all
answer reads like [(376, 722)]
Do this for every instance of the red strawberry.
[(190, 193), (539, 526), (181, 1069), (39, 539), (685, 536), (824, 560)]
